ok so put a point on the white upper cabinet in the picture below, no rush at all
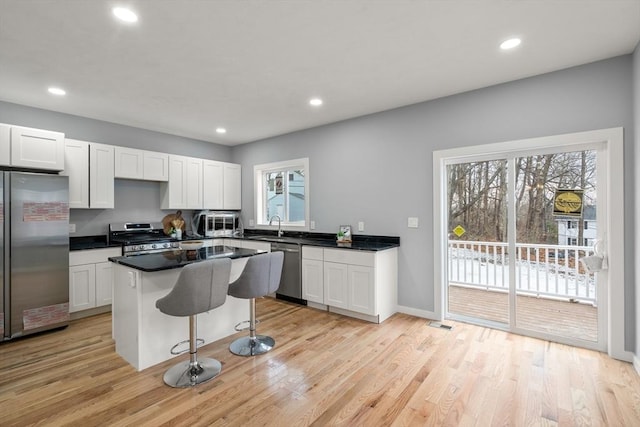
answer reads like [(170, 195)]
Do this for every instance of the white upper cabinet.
[(232, 186), (101, 176), (5, 145), (129, 163), (213, 184), (222, 185), (31, 148), (76, 167), (132, 163), (184, 188), (155, 166), (90, 168)]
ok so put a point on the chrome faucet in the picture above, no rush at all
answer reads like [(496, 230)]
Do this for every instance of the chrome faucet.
[(279, 221)]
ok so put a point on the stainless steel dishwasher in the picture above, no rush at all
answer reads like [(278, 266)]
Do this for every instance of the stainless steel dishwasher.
[(291, 283)]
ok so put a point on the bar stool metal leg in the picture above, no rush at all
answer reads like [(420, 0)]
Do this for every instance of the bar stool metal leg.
[(253, 344), (194, 371)]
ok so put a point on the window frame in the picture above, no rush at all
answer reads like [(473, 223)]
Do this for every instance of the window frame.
[(260, 193)]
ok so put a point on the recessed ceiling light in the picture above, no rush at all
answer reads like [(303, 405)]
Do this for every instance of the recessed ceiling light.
[(510, 44), (221, 130), (315, 102), (124, 14), (57, 91)]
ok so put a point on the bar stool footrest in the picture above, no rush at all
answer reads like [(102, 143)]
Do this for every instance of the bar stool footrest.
[(244, 328), (199, 343)]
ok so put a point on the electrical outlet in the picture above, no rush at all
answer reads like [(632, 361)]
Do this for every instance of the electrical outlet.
[(252, 223), (72, 228), (412, 222), (312, 225), (361, 226)]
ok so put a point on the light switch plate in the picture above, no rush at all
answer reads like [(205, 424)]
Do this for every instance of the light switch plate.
[(361, 226), (312, 225), (412, 222), (72, 228), (252, 223)]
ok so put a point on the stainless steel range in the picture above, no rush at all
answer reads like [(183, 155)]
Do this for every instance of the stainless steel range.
[(139, 238)]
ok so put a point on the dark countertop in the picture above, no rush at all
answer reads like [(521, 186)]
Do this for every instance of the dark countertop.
[(326, 240), (180, 258), (90, 242)]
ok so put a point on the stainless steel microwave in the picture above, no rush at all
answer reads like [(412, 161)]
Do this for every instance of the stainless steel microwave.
[(217, 224)]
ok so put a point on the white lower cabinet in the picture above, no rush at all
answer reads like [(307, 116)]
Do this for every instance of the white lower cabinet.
[(82, 287), (313, 274), (351, 282), (91, 278), (336, 285)]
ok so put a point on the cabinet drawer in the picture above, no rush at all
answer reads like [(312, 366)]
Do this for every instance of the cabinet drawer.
[(312, 252), (353, 257), (93, 256)]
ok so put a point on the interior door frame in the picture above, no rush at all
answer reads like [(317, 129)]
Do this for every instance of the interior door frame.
[(613, 298)]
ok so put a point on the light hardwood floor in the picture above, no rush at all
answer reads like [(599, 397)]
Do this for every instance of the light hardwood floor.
[(326, 370)]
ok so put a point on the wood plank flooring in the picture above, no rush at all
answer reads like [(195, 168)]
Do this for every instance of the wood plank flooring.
[(325, 370)]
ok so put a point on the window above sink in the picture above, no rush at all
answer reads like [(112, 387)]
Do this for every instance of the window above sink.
[(282, 194)]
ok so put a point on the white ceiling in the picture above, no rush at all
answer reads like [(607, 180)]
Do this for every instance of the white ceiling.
[(190, 66)]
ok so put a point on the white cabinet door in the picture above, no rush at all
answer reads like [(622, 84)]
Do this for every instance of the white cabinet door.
[(232, 186), (82, 287), (361, 289), (213, 184), (184, 188), (129, 163), (194, 183), (104, 283), (36, 148), (5, 145), (155, 166), (173, 192), (336, 279), (312, 280), (76, 167), (101, 176)]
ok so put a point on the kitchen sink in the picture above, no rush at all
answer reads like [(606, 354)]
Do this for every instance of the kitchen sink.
[(276, 239)]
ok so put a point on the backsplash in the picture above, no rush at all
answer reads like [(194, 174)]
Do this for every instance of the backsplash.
[(136, 201)]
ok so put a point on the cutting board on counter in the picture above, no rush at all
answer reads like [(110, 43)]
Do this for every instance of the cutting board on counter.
[(167, 222)]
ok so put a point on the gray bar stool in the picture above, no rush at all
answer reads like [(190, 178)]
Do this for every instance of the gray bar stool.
[(260, 277), (201, 287)]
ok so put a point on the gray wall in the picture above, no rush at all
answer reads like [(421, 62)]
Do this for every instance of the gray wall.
[(378, 168), (636, 189), (134, 200)]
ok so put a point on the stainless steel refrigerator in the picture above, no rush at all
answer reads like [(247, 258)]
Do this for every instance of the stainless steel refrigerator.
[(34, 253)]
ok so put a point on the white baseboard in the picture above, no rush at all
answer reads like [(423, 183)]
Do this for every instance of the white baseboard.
[(417, 312), (636, 364)]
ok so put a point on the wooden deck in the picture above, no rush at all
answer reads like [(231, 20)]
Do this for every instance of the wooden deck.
[(567, 319)]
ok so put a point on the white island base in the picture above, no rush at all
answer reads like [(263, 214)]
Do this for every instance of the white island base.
[(144, 335)]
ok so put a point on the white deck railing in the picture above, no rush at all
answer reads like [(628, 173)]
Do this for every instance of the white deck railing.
[(551, 271)]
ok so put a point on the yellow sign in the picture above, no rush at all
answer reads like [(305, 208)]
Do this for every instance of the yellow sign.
[(568, 203), (459, 231)]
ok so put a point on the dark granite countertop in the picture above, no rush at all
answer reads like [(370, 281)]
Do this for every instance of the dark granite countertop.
[(326, 240), (80, 243), (180, 258)]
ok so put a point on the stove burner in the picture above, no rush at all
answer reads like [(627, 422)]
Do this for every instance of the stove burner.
[(141, 238)]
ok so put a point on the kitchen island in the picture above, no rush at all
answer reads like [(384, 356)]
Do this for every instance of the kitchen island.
[(142, 334)]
